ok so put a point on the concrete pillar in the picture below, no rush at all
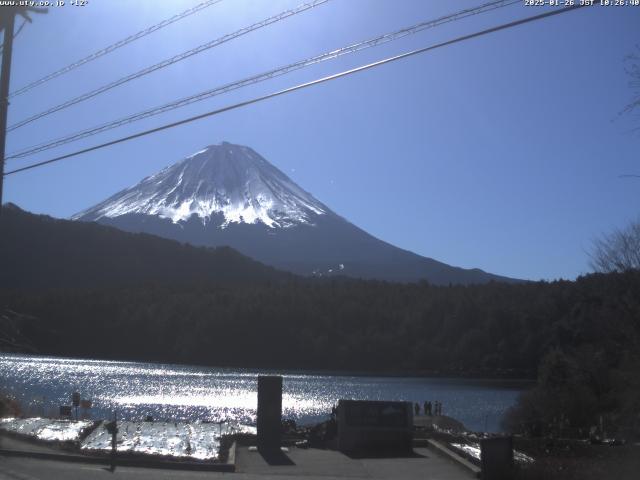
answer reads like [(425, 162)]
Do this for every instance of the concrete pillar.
[(269, 412)]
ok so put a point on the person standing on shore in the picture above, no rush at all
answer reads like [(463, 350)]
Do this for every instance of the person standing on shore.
[(416, 408)]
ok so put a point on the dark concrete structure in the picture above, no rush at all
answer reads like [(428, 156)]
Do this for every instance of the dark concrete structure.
[(269, 413), (496, 457), (375, 427)]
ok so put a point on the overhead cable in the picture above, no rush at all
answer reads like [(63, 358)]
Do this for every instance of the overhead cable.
[(381, 39), (169, 61), (114, 46), (301, 86)]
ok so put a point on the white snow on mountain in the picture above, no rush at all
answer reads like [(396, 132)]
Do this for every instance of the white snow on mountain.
[(226, 179)]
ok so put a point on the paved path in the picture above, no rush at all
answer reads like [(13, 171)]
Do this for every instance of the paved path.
[(310, 464), (11, 443), (15, 468), (440, 421), (316, 463)]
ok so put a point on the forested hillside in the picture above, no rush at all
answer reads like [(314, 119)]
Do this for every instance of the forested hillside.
[(37, 251), (97, 292), (495, 329)]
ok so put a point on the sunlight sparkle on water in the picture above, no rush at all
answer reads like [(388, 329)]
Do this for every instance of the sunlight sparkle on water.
[(135, 390), (227, 400)]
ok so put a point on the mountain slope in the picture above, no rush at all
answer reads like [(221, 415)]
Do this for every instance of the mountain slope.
[(229, 195), (37, 251), (231, 180)]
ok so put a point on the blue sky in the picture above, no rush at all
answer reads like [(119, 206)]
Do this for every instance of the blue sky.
[(502, 153)]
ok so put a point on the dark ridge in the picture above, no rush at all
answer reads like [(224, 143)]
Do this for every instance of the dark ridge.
[(38, 251)]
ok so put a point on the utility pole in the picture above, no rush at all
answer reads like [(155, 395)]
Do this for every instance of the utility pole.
[(8, 22), (8, 19)]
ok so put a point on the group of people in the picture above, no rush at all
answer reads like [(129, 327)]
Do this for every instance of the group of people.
[(430, 409)]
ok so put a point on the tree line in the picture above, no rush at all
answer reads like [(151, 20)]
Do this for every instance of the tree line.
[(497, 329), (579, 339)]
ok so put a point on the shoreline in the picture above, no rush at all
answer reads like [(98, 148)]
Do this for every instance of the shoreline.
[(515, 377)]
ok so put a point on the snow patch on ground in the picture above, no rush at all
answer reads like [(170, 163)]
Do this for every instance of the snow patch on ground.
[(195, 440), (473, 450), (45, 428), (200, 441)]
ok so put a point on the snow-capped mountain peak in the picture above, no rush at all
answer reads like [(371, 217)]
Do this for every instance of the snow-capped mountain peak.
[(225, 179)]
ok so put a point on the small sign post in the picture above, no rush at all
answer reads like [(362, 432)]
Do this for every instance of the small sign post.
[(112, 429), (75, 400)]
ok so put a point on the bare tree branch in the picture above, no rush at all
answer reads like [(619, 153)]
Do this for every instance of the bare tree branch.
[(618, 251), (632, 68)]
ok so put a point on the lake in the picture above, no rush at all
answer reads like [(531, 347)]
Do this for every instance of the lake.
[(181, 392)]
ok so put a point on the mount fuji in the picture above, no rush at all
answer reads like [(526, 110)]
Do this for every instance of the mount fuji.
[(228, 194)]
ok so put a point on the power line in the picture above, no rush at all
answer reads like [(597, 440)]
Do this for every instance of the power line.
[(170, 61), (381, 39), (301, 86), (114, 46), (24, 21)]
